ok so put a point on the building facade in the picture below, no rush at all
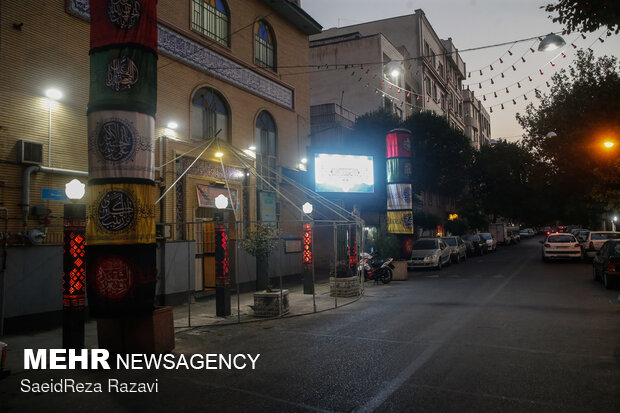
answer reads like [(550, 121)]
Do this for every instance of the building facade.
[(477, 120), (224, 70)]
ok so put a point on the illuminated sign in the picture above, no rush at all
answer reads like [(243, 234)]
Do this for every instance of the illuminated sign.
[(343, 173), (306, 254)]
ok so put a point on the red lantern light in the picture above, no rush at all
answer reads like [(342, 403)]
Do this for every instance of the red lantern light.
[(306, 254)]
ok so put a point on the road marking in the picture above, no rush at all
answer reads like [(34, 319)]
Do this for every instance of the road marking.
[(445, 335)]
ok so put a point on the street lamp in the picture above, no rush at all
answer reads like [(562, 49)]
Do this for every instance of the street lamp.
[(551, 42), (551, 135), (608, 144), (393, 70), (222, 262), (73, 266), (307, 208)]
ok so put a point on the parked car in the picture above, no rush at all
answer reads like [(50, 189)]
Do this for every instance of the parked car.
[(479, 246), (581, 236), (527, 233), (606, 263), (457, 247), (595, 240), (491, 242), (429, 253), (560, 245)]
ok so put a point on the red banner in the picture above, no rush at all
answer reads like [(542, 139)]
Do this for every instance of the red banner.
[(398, 144), (116, 22), (121, 279)]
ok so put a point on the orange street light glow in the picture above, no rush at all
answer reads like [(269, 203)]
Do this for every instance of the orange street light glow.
[(608, 144)]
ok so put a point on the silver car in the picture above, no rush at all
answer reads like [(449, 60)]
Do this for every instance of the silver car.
[(429, 253), (491, 242), (458, 249)]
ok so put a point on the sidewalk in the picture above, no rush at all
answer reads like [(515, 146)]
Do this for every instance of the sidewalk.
[(200, 313)]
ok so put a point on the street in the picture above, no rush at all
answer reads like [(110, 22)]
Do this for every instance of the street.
[(504, 332)]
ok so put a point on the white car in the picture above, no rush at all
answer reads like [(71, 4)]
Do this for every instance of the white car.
[(595, 240), (560, 245), (429, 253), (491, 242)]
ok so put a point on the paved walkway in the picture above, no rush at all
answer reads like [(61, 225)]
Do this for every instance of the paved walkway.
[(199, 313)]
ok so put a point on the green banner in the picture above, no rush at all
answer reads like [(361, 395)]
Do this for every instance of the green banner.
[(398, 170), (123, 78)]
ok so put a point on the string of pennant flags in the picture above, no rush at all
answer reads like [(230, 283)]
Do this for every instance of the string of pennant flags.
[(418, 97), (537, 88)]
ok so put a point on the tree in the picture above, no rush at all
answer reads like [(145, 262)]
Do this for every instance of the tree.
[(441, 155), (501, 179), (586, 15), (582, 109)]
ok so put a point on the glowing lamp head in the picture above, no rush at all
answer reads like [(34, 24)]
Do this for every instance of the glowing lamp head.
[(252, 148), (304, 160), (551, 42), (608, 144), (307, 208), (172, 125), (75, 189), (221, 201), (218, 154), (53, 94)]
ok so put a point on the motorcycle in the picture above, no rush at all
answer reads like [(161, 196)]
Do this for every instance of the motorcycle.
[(374, 269)]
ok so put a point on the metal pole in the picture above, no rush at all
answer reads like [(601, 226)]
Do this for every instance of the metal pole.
[(3, 268), (189, 279), (237, 271), (335, 260)]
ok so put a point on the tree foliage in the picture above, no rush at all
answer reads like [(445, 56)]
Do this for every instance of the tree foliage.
[(582, 109), (441, 155), (586, 15)]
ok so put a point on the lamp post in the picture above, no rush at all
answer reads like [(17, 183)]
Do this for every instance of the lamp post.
[(306, 254), (73, 266), (222, 262)]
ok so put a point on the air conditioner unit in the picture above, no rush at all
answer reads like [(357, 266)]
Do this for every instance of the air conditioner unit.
[(29, 152)]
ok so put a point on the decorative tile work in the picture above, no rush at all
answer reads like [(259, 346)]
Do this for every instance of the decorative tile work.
[(192, 53), (211, 169), (208, 61)]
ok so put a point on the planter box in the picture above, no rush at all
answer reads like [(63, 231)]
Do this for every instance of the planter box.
[(267, 304), (152, 334), (399, 273), (344, 287)]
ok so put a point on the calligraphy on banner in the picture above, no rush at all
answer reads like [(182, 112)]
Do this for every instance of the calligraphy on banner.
[(400, 222), (123, 21), (399, 170), (121, 279), (121, 214), (398, 144), (123, 78), (399, 197), (207, 194), (120, 145)]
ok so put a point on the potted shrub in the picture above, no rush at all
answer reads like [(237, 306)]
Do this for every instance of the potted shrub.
[(259, 242)]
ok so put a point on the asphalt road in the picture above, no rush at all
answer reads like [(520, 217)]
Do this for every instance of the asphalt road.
[(499, 333)]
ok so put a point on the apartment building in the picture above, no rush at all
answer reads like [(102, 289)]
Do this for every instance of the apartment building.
[(477, 120)]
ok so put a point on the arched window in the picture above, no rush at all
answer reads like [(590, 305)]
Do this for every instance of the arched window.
[(267, 149), (209, 114), (264, 46), (211, 18)]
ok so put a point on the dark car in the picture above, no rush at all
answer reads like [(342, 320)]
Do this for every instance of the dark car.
[(606, 263), (479, 245)]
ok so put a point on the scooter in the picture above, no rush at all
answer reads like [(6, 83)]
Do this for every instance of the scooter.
[(375, 269)]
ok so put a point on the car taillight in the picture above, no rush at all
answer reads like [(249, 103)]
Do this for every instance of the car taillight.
[(591, 246), (611, 267), (547, 245), (576, 245), (548, 232)]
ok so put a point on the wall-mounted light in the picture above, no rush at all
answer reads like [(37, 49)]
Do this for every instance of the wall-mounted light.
[(53, 94), (172, 125), (252, 147), (75, 189), (221, 201), (304, 161), (218, 154)]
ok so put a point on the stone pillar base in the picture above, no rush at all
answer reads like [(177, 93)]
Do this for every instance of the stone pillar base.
[(152, 334)]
